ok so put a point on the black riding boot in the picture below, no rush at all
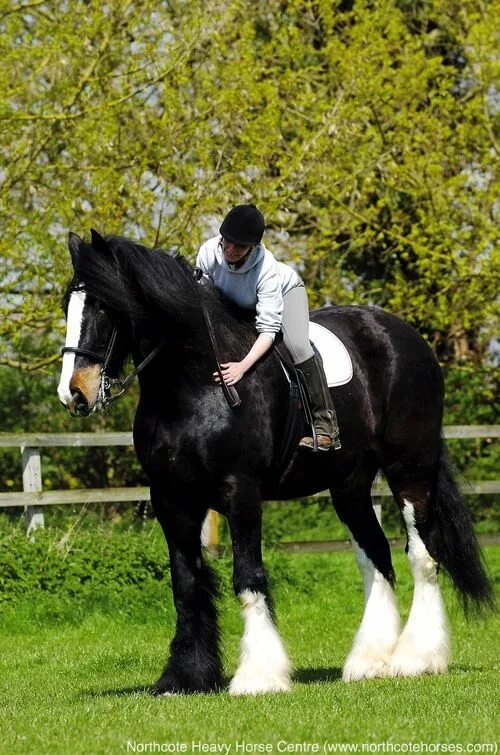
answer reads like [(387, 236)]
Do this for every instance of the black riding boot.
[(324, 416)]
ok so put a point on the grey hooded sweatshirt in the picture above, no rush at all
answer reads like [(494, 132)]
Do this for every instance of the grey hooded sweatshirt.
[(260, 283)]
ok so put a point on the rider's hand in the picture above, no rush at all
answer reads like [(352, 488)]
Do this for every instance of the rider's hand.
[(232, 372)]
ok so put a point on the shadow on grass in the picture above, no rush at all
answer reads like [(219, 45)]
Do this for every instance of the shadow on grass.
[(146, 691), (457, 669), (302, 676), (313, 675), (122, 692)]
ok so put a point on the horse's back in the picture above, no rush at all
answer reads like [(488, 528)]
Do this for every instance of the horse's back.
[(397, 383), (372, 327)]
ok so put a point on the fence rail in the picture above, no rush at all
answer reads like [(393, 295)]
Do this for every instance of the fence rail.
[(122, 495), (11, 440), (33, 498)]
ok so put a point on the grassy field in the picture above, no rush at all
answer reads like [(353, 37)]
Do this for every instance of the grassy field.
[(75, 674)]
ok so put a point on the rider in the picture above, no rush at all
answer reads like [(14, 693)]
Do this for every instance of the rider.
[(241, 267)]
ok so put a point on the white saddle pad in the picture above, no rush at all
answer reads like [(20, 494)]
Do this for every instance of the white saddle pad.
[(336, 360)]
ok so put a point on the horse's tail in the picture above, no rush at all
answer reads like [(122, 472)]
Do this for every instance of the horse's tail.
[(454, 542)]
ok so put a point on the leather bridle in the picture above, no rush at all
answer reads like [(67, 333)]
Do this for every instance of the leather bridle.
[(93, 354), (106, 382)]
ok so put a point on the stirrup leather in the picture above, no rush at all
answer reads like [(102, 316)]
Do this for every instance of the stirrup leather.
[(320, 412)]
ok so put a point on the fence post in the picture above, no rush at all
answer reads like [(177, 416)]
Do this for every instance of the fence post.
[(32, 483), (210, 532)]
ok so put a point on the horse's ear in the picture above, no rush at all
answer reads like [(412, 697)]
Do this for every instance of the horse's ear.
[(98, 243), (74, 242)]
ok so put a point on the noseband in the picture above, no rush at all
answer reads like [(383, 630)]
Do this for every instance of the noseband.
[(107, 383)]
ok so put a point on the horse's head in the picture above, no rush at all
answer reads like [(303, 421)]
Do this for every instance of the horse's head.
[(91, 353)]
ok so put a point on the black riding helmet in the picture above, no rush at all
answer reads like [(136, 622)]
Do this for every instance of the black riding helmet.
[(243, 225)]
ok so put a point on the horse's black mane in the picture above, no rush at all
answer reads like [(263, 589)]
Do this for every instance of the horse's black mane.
[(154, 288)]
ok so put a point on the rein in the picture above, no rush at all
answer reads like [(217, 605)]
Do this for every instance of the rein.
[(230, 393), (106, 382)]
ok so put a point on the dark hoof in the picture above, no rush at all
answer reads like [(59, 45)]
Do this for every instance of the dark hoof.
[(173, 684), (166, 686)]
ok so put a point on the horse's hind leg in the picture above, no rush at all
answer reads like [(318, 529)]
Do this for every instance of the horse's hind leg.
[(424, 645), (264, 665), (378, 632)]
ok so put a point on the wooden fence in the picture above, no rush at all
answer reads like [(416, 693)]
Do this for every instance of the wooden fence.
[(32, 498)]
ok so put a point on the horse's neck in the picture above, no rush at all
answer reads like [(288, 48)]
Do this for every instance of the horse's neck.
[(188, 355), (174, 365)]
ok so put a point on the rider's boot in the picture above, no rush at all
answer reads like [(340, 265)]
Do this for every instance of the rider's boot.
[(324, 416)]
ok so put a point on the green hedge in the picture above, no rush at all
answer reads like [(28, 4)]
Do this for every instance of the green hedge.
[(54, 563)]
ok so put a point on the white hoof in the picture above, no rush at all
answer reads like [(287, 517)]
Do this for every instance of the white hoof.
[(363, 664), (250, 682), (410, 660)]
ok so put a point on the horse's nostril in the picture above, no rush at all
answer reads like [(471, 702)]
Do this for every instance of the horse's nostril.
[(80, 403)]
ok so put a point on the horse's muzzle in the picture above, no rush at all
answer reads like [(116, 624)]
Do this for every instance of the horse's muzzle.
[(79, 406)]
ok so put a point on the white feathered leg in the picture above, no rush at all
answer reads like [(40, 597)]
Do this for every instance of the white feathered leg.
[(264, 664), (379, 630), (424, 646)]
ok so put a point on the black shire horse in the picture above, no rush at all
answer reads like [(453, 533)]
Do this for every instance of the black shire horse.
[(199, 453)]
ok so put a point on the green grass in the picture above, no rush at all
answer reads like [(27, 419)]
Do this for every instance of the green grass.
[(74, 672)]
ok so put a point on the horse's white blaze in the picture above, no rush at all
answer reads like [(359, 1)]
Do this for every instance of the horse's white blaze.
[(73, 333), (379, 630), (264, 664), (424, 645)]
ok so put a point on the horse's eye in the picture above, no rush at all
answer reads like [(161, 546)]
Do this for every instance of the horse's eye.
[(102, 317)]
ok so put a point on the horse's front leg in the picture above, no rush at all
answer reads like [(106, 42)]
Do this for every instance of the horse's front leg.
[(194, 664), (264, 665)]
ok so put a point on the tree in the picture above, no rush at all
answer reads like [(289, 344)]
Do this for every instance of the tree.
[(365, 131)]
